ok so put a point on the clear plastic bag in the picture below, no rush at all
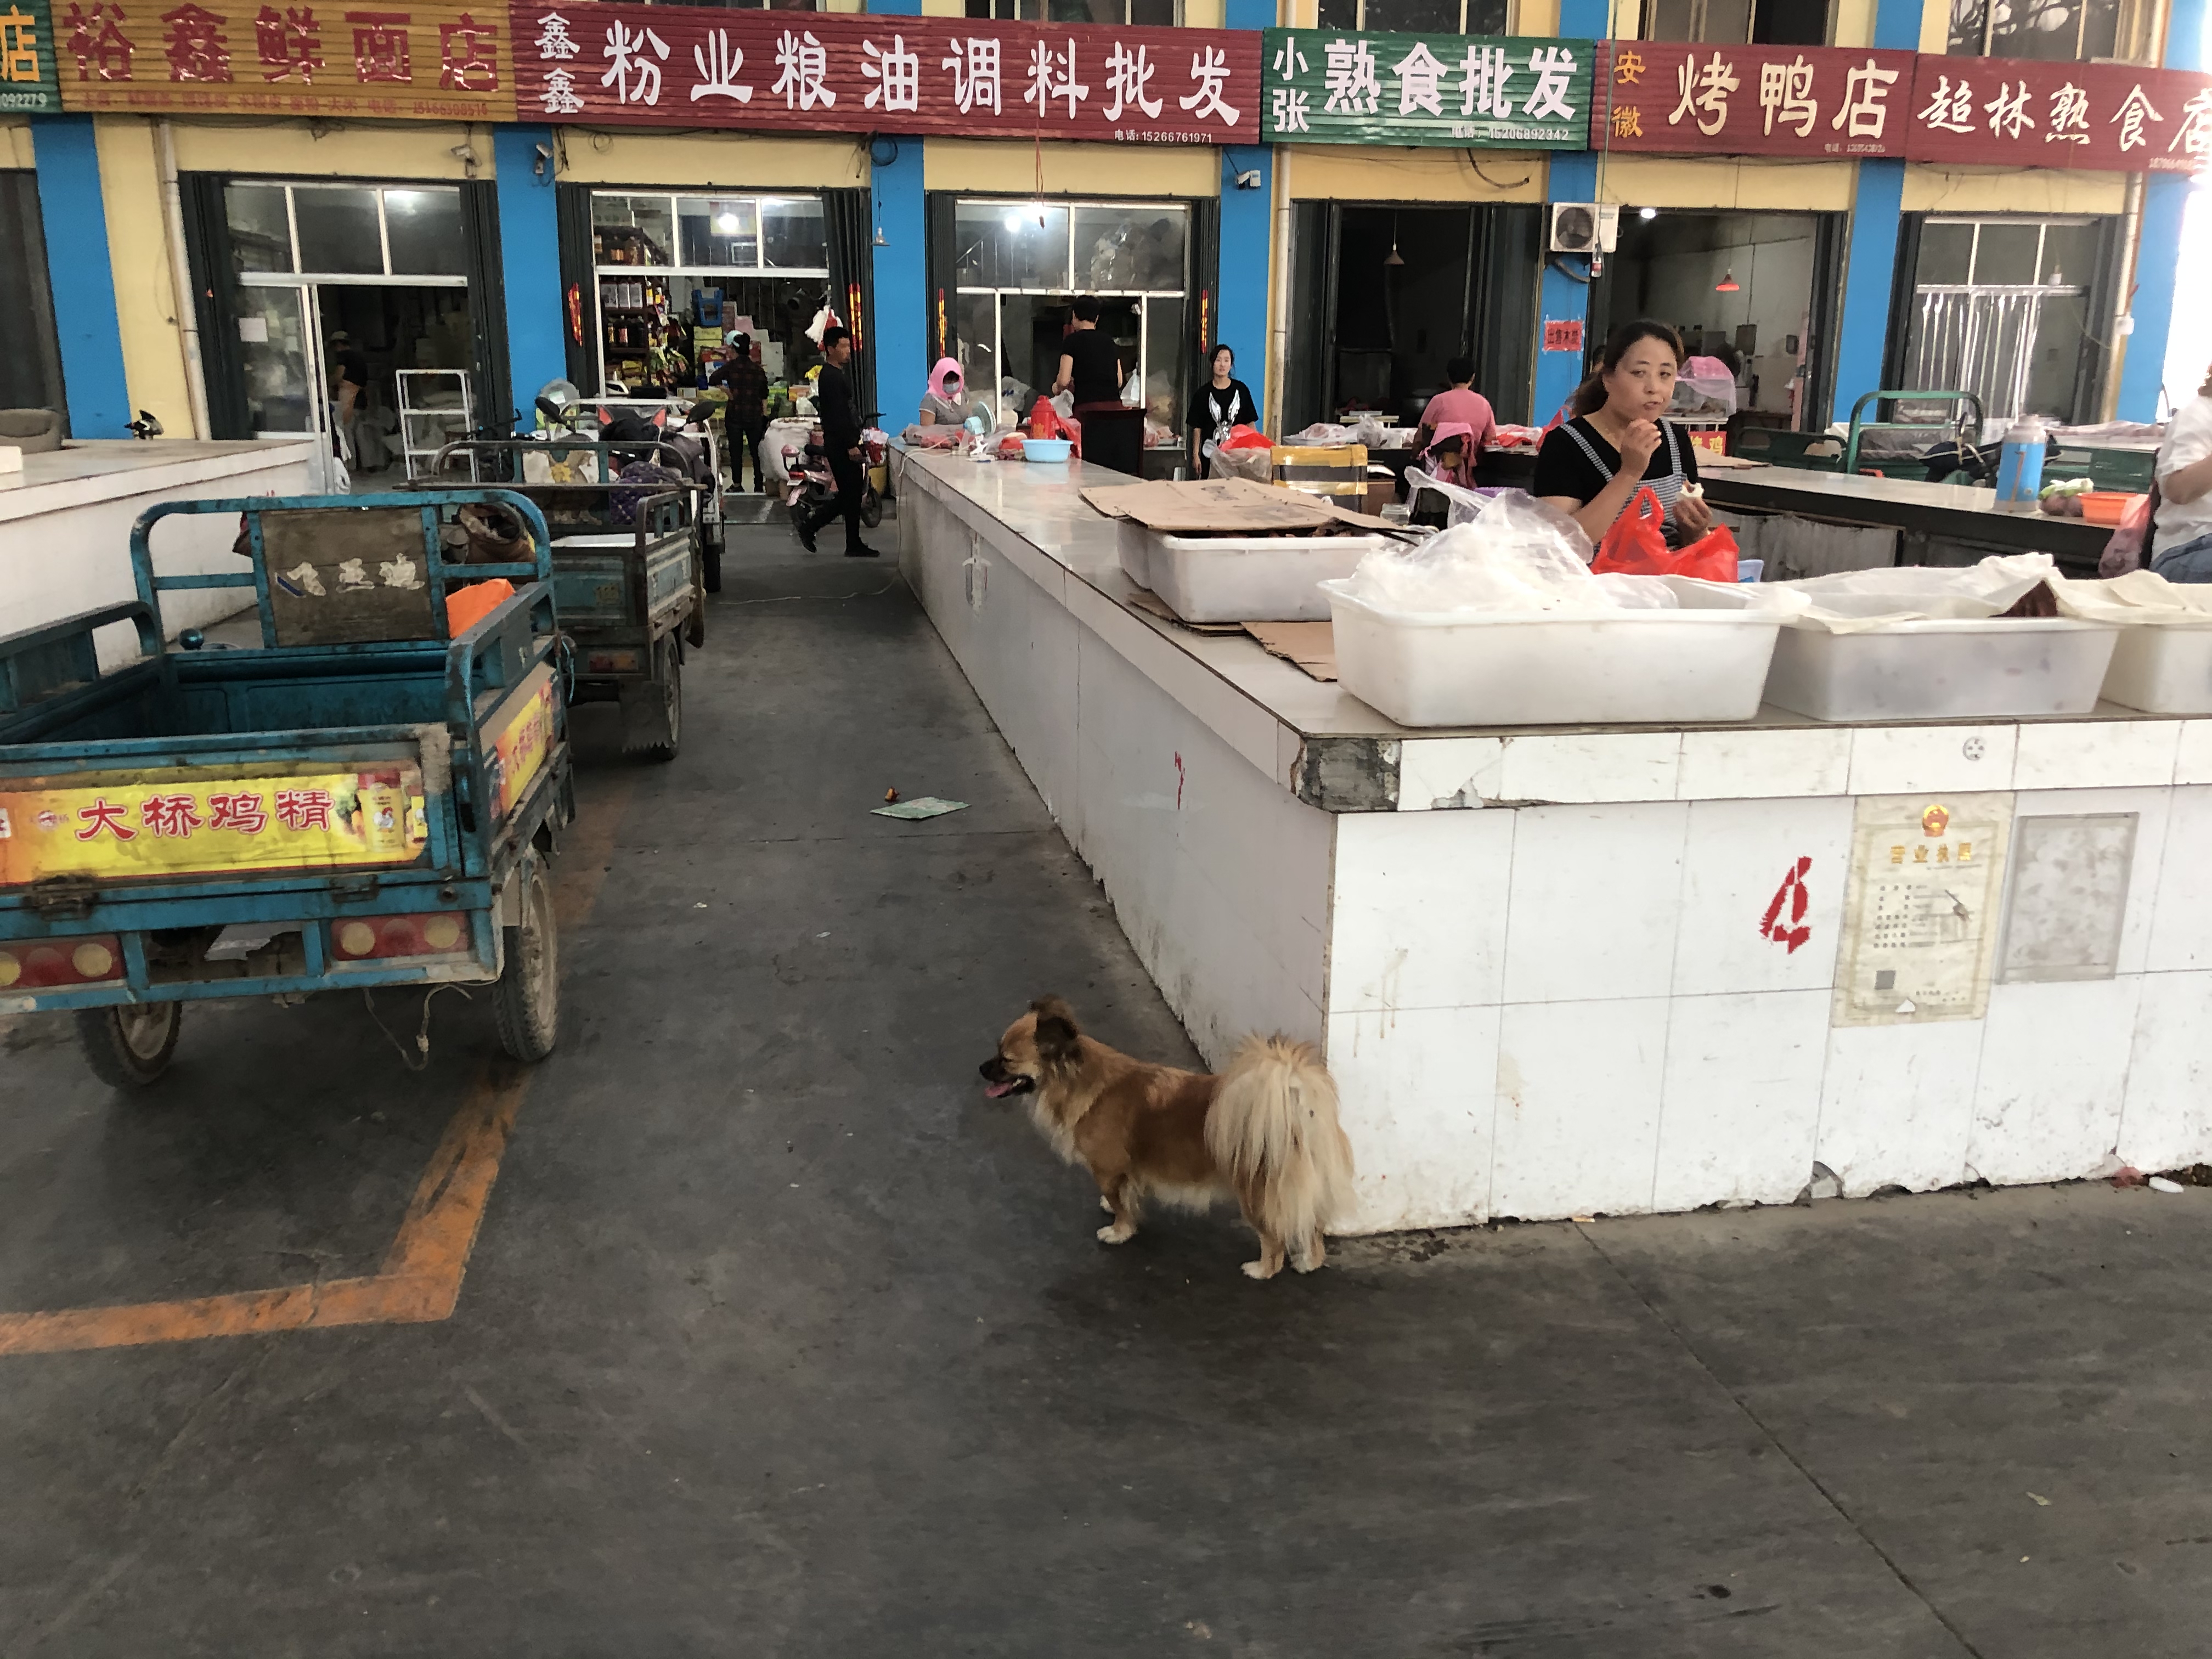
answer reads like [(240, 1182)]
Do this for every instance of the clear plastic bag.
[(1516, 554)]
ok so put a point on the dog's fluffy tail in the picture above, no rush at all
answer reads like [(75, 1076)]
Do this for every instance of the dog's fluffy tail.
[(1273, 1131)]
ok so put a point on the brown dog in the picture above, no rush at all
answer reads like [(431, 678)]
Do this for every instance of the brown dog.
[(1265, 1130)]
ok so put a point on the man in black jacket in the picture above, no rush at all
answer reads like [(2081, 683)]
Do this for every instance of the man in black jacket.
[(841, 443)]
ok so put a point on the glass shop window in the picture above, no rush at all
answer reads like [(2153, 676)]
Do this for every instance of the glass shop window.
[(2049, 31), (1161, 13), (1417, 16), (1728, 22)]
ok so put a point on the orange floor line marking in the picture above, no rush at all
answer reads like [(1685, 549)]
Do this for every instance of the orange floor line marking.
[(420, 1281)]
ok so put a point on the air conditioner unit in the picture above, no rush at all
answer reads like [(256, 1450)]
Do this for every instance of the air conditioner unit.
[(1585, 227)]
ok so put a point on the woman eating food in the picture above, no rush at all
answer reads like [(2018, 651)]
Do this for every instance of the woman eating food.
[(1614, 442)]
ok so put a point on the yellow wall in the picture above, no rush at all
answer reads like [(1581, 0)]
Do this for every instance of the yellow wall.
[(714, 162), (1854, 23), (15, 143), (1347, 172), (1009, 169), (1205, 13), (393, 150), (1772, 187), (1999, 190), (138, 254), (1935, 25)]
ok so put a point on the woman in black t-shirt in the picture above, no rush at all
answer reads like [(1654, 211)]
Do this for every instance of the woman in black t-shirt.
[(1614, 442), (1222, 402), (1089, 362)]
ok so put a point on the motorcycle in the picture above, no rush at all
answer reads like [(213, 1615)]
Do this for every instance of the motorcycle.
[(811, 485)]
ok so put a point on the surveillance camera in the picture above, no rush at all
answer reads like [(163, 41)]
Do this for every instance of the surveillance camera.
[(1249, 180), (462, 153), (544, 159)]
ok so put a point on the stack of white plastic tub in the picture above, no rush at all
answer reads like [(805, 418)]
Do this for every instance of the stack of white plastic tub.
[(2162, 661), (1224, 579)]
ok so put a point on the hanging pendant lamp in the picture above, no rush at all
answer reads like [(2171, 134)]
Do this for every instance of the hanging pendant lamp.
[(1727, 284), (1396, 257)]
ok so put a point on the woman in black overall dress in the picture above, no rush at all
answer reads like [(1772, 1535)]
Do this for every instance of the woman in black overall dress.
[(1615, 443)]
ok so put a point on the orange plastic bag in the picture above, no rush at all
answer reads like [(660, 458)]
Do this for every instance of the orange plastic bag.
[(1046, 422), (467, 606), (1637, 546)]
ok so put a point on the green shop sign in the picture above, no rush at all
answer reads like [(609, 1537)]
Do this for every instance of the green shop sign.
[(1321, 86), (28, 84)]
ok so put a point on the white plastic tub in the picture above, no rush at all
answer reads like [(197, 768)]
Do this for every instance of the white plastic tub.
[(1223, 579), (1706, 661), (1944, 668), (2163, 670)]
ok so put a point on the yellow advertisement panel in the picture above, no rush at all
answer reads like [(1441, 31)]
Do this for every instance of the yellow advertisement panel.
[(188, 823), (518, 751), (437, 61)]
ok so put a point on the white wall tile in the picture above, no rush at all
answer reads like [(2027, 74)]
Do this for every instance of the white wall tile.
[(1741, 1103), (1417, 1094), (1590, 766), (1792, 760), (2154, 810), (1897, 1105), (2096, 754), (1579, 1091), (2165, 1115), (1910, 760), (2053, 1065), (1431, 769), (1419, 918), (2181, 924), (1595, 894), (2192, 758), (1736, 859)]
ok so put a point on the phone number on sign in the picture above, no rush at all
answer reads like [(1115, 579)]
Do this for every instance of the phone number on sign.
[(1163, 136)]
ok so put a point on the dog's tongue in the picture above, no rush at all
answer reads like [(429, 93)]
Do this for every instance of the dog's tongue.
[(995, 1090)]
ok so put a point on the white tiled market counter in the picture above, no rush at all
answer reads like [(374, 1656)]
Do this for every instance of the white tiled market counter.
[(1563, 970)]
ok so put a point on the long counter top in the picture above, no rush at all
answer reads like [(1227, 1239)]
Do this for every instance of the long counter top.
[(1334, 751), (1957, 510), (108, 469)]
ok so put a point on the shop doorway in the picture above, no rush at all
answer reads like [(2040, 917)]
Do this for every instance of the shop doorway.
[(1758, 291), (1384, 297)]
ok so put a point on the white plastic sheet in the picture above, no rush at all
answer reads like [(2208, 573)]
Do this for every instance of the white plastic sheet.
[(1516, 555), (1859, 601)]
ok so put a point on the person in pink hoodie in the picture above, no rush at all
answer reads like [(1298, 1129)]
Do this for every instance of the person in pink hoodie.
[(1461, 403)]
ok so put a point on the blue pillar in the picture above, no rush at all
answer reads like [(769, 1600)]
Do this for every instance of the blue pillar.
[(1246, 233), (1572, 177), (1249, 15), (80, 274), (530, 263), (1869, 272), (2158, 249), (900, 229)]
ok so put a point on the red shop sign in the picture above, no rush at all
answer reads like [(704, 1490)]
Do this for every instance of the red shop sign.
[(1662, 97), (2010, 112), (680, 66)]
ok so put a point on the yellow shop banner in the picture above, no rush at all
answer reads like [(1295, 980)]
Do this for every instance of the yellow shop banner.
[(518, 751), (187, 823)]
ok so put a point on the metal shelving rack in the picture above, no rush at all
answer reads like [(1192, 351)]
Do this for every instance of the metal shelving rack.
[(426, 422)]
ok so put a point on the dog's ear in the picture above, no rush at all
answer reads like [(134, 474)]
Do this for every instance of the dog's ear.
[(1056, 1032)]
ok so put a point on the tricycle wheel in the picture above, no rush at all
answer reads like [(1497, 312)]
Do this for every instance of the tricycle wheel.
[(526, 1002), (710, 566), (129, 1045), (669, 694), (872, 508)]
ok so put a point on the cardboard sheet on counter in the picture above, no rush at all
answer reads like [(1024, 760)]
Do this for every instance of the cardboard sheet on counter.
[(1221, 506), (1311, 645)]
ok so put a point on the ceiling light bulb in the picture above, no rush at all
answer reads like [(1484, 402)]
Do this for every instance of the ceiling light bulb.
[(1014, 221), (726, 223), (1647, 213)]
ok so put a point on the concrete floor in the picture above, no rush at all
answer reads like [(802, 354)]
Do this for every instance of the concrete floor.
[(779, 1340)]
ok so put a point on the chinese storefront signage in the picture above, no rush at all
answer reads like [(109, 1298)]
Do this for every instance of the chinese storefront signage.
[(1666, 97), (434, 59), (1462, 90), (28, 85), (636, 65), (2011, 112)]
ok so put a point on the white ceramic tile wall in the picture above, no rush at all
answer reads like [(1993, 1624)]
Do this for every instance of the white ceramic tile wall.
[(1419, 909), (1418, 1088), (1432, 770), (2181, 926), (2166, 1114), (1736, 858), (2054, 1067), (1912, 759), (1799, 761), (1592, 912), (1740, 1103), (1897, 1105), (1590, 766), (2105, 754), (1578, 1092), (2192, 759)]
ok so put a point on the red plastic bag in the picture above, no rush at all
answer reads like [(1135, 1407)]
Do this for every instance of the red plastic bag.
[(1243, 437), (1637, 546)]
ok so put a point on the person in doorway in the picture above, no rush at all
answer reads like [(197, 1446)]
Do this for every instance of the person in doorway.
[(1222, 402), (841, 443), (947, 402), (2181, 551), (1089, 362), (1614, 441), (742, 379), (349, 380), (1460, 402)]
